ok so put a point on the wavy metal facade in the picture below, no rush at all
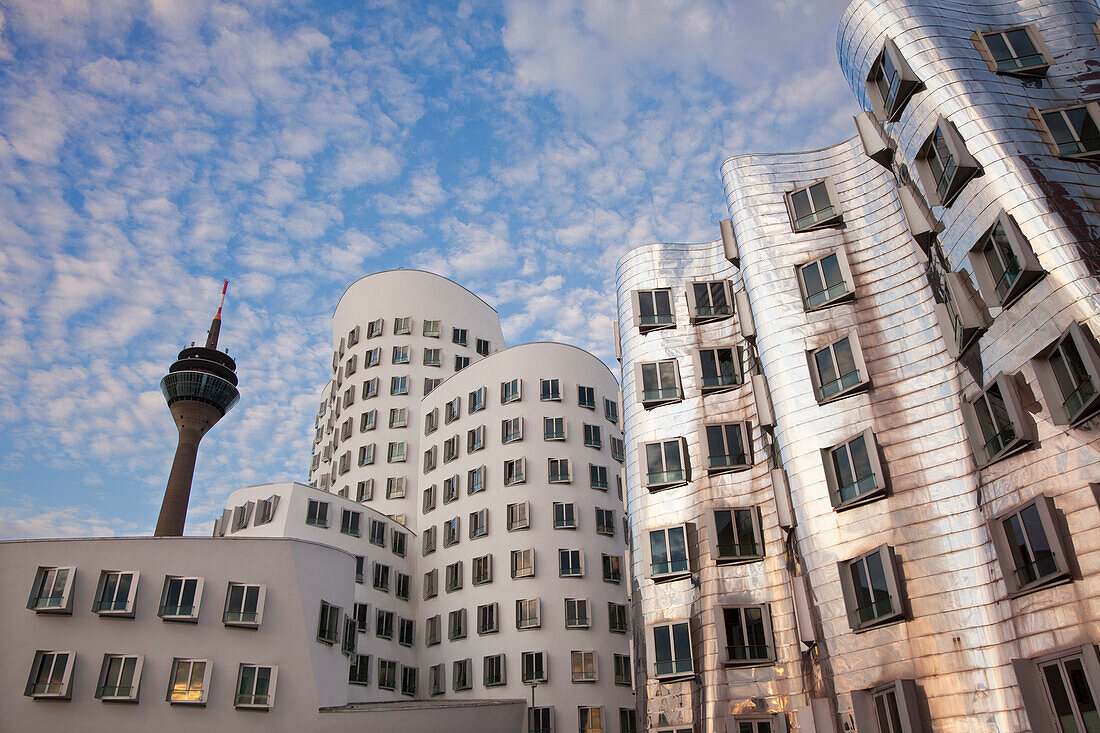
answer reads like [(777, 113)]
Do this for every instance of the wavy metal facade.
[(971, 636)]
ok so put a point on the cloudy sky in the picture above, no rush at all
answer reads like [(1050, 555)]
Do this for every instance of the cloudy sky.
[(149, 148)]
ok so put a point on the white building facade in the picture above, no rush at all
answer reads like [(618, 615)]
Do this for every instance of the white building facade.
[(880, 512)]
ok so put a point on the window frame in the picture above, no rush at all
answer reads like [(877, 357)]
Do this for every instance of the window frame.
[(745, 429), (1022, 424), (261, 598), (533, 621), (1051, 523), (738, 366), (1030, 271), (962, 315), (694, 317), (538, 671), (758, 535), (1035, 690), (893, 586), (490, 661), (579, 620), (329, 618), (207, 670), (832, 220), (507, 434), (676, 673), (273, 676), (889, 110), (551, 437), (685, 463), (662, 396), (515, 521), (846, 275), (1092, 109), (560, 477), (864, 382), (1028, 72), (656, 325), (647, 553), (488, 618), (518, 554), (135, 678), (64, 691), (724, 645), (515, 471), (196, 604), (584, 676), (904, 692), (511, 391), (1088, 351), (127, 610), (966, 166), (832, 481)]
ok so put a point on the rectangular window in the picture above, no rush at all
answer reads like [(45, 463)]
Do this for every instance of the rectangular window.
[(534, 667), (737, 535), (519, 516), (372, 358), (813, 207), (1004, 263), (368, 420), (565, 515), (398, 542), (317, 513), (583, 665), (729, 447), (944, 164), (431, 584), (511, 430), (359, 673), (364, 490), (668, 552), (527, 614), (477, 400), (395, 487), (51, 675), (592, 437), (433, 357), (653, 309), (383, 624), (399, 385), (996, 421), (514, 471), (429, 540), (871, 588), (461, 362), (576, 613), (590, 720), (400, 355), (349, 522), (1075, 130), (456, 624), (1069, 372), (494, 670), (605, 522), (709, 301), (451, 532), (461, 674), (523, 563), (402, 326), (190, 681), (665, 464), (597, 476), (826, 281), (487, 616), (510, 391), (586, 397), (381, 579), (616, 618), (672, 651), (479, 523), (853, 471), (430, 459), (890, 83), (361, 612), (837, 369), (570, 563), (454, 577), (475, 439), (401, 586), (611, 410), (119, 677), (360, 563), (622, 670), (436, 682), (115, 594), (617, 449), (475, 480), (399, 417), (255, 686), (366, 454), (660, 382), (1014, 51), (387, 675), (482, 347), (553, 428), (747, 635), (431, 631), (377, 533), (612, 568), (452, 411), (397, 452), (450, 489), (432, 329), (430, 384), (550, 390), (180, 598), (458, 336), (558, 470), (540, 720), (1029, 547), (244, 605), (891, 708)]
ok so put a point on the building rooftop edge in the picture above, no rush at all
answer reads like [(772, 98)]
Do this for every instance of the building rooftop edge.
[(520, 346), (656, 245), (740, 156), (415, 270)]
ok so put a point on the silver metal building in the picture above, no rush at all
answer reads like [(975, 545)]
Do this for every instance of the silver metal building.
[(859, 425)]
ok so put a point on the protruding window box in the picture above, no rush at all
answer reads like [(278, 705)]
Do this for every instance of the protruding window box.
[(853, 471), (814, 206), (115, 593), (51, 675), (876, 144), (666, 463), (923, 226), (729, 447), (837, 369), (962, 314), (745, 635), (890, 83), (996, 421), (1004, 263), (736, 535), (666, 553), (671, 657), (709, 301), (944, 164), (52, 591), (119, 678), (653, 309), (244, 605), (894, 701), (180, 599), (1030, 546), (1072, 132), (1069, 376), (826, 281), (718, 369), (872, 589), (1060, 691), (256, 687)]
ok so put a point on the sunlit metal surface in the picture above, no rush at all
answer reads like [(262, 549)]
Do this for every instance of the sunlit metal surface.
[(960, 630)]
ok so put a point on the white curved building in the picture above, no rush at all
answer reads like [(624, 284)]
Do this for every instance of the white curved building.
[(916, 324), (395, 335)]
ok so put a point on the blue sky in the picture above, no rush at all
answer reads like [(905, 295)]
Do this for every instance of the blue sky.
[(149, 148)]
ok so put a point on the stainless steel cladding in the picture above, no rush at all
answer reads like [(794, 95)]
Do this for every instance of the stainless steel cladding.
[(919, 376)]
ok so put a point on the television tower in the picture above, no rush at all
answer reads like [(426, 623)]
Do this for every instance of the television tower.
[(200, 388)]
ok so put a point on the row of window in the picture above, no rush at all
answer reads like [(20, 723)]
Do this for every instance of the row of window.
[(402, 355), (527, 616), (119, 680), (476, 482), (570, 565), (512, 391), (511, 432), (116, 594), (351, 524)]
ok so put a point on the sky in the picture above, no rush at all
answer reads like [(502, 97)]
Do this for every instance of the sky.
[(151, 148)]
